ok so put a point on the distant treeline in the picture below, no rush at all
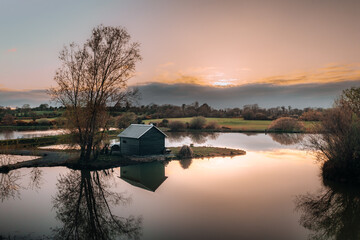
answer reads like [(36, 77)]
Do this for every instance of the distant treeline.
[(45, 115), (248, 112)]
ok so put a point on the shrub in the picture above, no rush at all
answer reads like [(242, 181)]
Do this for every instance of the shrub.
[(164, 123), (176, 126), (286, 124), (126, 119), (311, 116), (212, 125), (21, 123), (197, 123), (338, 140), (248, 114), (260, 116), (8, 119), (185, 152), (44, 122)]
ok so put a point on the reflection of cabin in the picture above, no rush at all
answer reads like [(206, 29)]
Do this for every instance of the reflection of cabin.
[(148, 176), (141, 139)]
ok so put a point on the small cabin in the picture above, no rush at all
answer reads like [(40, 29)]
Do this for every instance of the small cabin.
[(142, 139)]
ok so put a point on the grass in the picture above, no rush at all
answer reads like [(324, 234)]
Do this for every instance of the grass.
[(45, 140), (31, 142), (200, 152), (26, 128), (235, 124)]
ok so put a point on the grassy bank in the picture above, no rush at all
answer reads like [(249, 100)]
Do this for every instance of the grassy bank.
[(233, 124), (200, 152), (45, 141), (25, 128), (71, 158), (32, 142)]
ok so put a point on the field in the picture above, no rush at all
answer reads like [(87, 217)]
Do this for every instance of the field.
[(235, 124)]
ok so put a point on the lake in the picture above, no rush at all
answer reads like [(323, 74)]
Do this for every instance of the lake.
[(269, 193), (10, 134)]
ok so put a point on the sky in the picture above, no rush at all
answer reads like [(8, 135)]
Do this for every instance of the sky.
[(222, 47)]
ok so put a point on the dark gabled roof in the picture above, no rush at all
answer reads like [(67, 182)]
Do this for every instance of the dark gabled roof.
[(137, 130)]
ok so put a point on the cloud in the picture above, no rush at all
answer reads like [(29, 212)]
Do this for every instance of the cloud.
[(330, 74), (264, 94), (11, 50), (211, 76), (18, 98)]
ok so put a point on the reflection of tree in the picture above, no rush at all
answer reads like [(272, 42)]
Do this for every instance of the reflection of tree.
[(196, 137), (201, 137), (83, 204), (334, 213), (35, 178), (9, 186), (185, 162), (8, 134), (9, 183), (176, 136), (287, 138)]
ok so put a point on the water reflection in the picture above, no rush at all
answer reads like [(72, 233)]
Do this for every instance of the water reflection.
[(6, 135), (195, 137), (287, 138), (83, 204), (185, 162), (332, 213), (10, 183), (147, 176)]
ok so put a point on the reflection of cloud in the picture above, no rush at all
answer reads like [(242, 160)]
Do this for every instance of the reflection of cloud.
[(286, 154)]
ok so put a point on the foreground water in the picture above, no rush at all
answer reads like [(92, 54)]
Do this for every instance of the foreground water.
[(261, 195)]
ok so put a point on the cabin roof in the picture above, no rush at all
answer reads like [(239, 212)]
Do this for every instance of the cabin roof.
[(137, 130)]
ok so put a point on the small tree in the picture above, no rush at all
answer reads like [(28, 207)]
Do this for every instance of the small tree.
[(212, 125), (286, 124), (8, 119), (185, 152), (126, 119), (92, 77), (197, 123), (176, 126)]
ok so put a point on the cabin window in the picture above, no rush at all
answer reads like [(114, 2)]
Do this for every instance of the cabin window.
[(124, 141)]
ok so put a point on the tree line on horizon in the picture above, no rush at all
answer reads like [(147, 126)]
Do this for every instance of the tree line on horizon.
[(135, 113)]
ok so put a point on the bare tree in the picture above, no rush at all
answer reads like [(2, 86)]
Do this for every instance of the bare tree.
[(92, 77)]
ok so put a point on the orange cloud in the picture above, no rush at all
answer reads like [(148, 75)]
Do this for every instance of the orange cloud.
[(11, 50), (211, 76), (330, 74)]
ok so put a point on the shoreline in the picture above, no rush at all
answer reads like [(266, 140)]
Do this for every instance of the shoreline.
[(70, 158)]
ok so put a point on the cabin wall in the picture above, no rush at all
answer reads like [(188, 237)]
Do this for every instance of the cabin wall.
[(129, 146), (152, 142)]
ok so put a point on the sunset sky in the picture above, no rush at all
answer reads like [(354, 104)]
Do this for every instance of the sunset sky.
[(223, 46)]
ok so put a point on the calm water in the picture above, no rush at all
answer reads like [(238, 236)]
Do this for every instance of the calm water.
[(5, 135), (262, 195)]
